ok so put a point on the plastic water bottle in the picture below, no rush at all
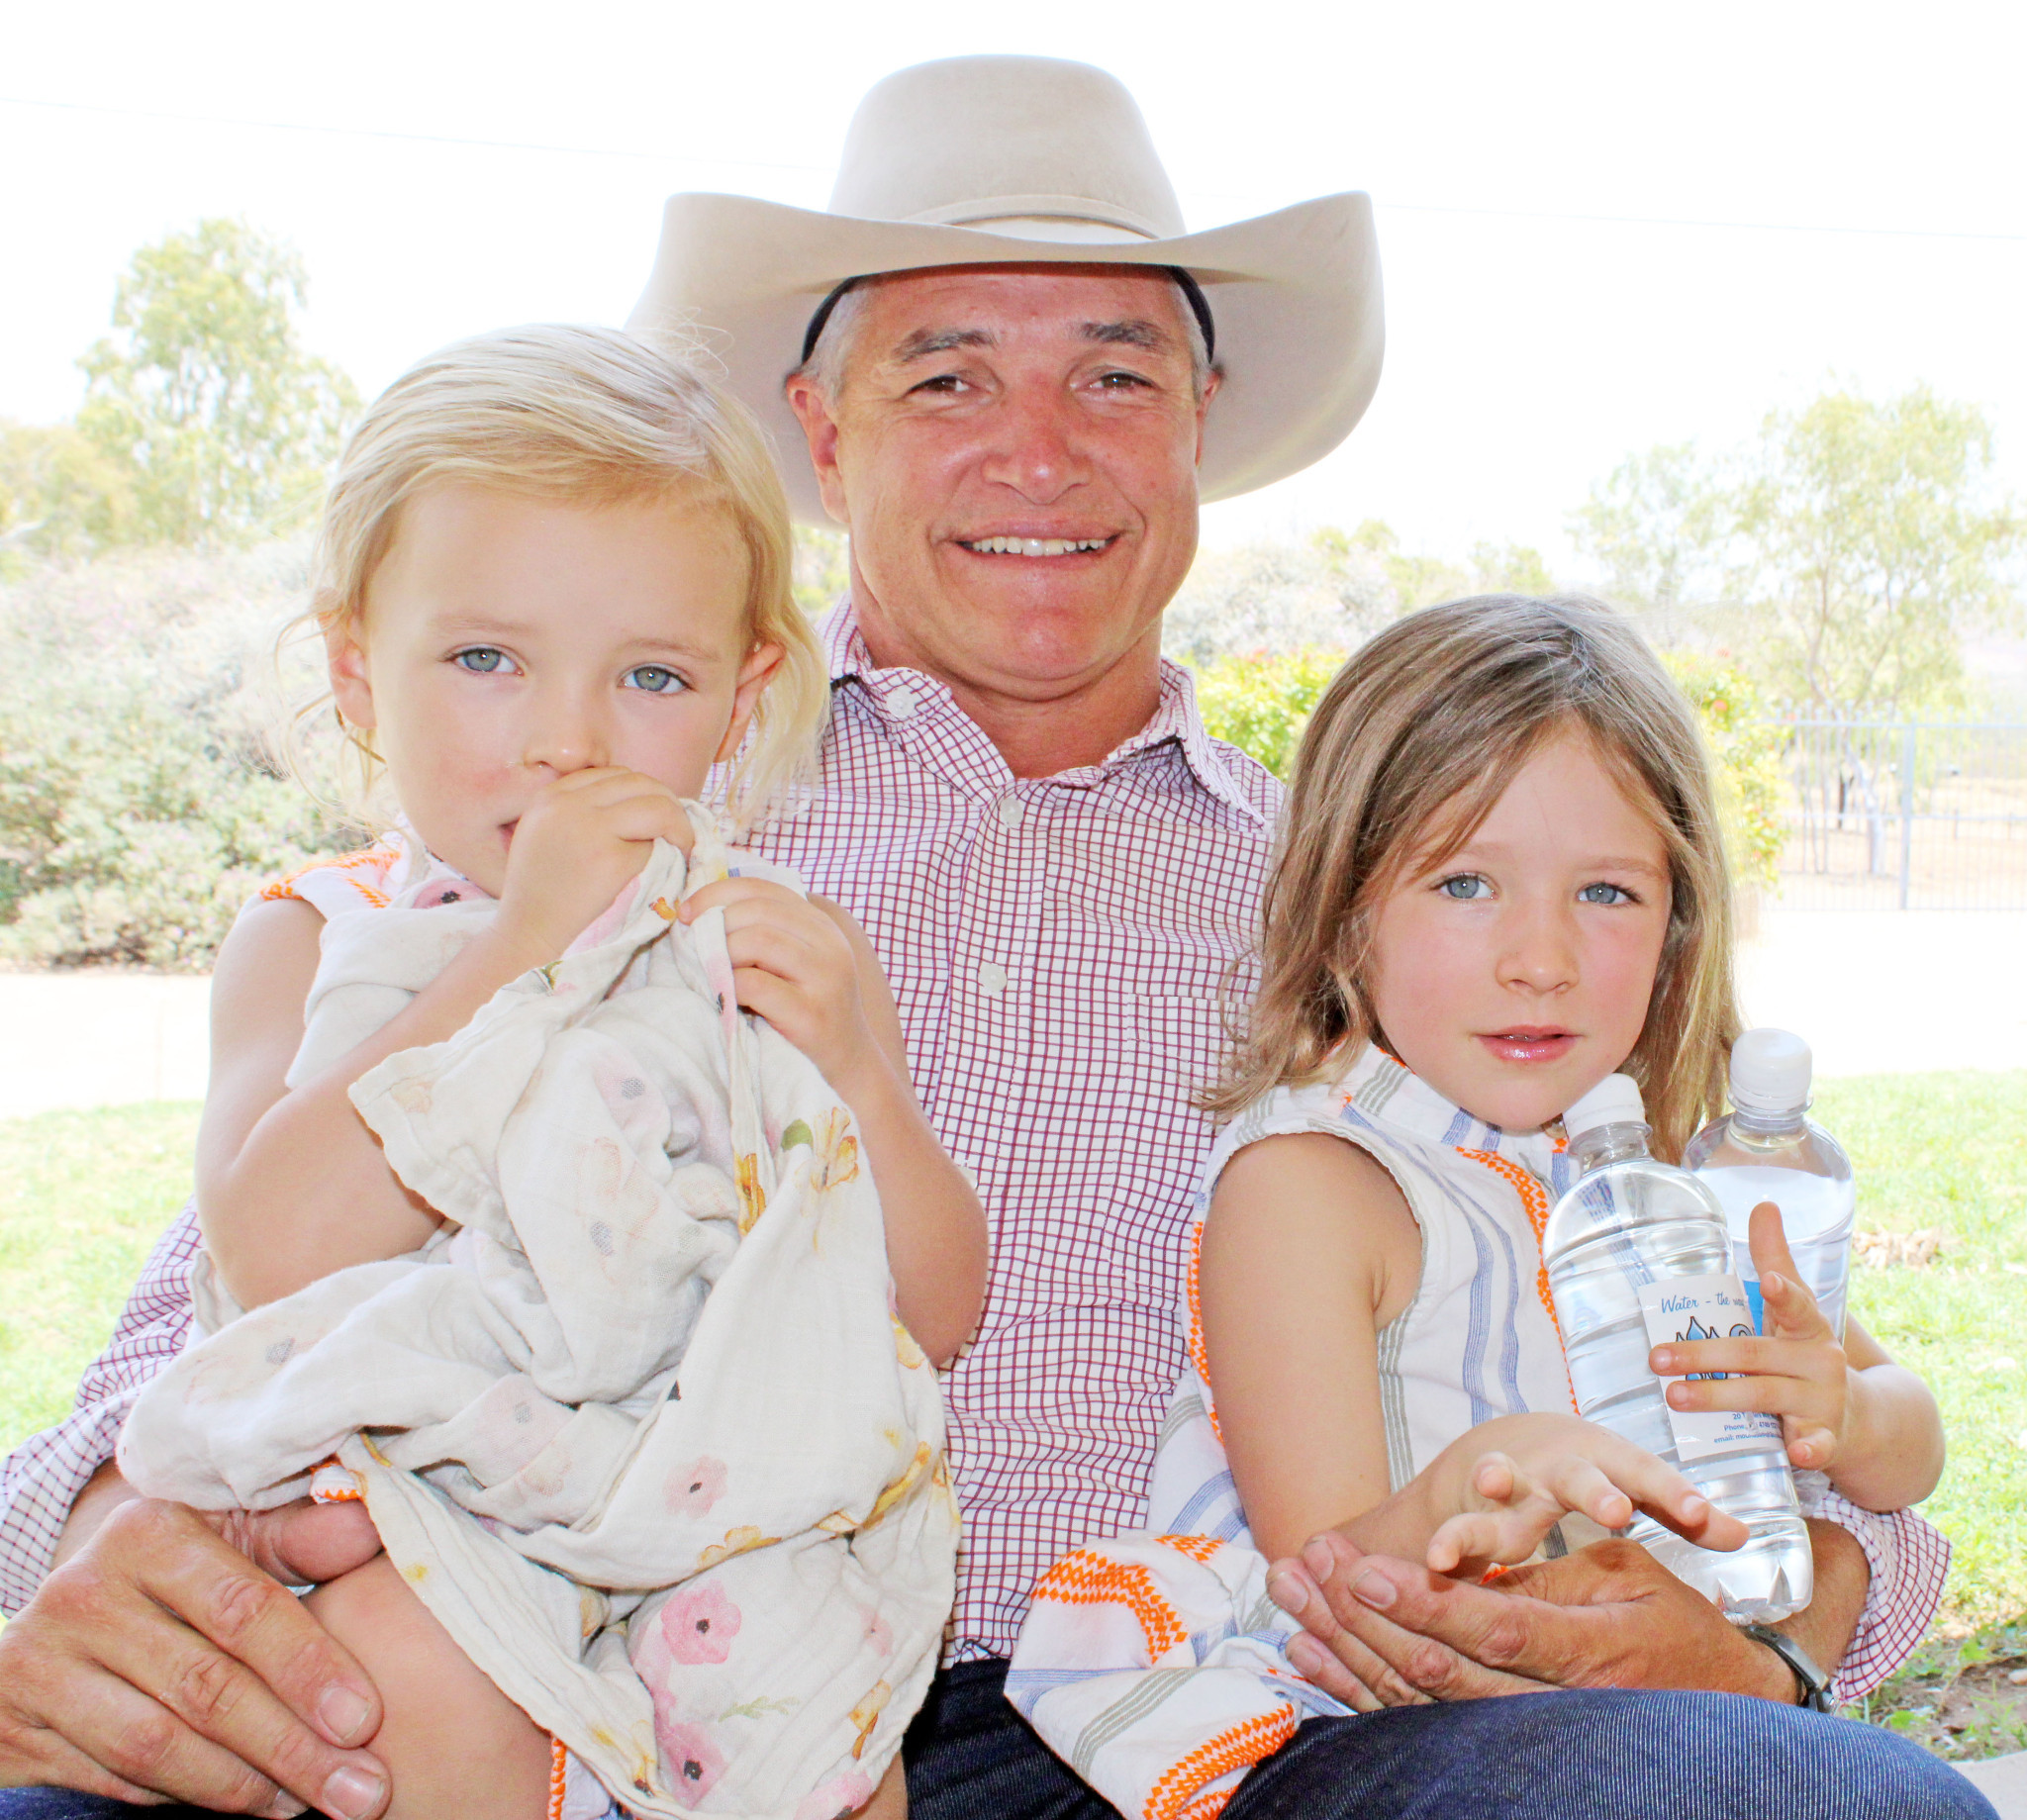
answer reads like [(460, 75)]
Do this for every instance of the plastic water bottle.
[(1638, 1256), (1768, 1149)]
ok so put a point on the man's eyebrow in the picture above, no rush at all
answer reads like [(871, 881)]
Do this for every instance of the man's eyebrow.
[(927, 341), (1132, 331)]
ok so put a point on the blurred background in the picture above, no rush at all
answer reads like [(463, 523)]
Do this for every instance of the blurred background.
[(1718, 311)]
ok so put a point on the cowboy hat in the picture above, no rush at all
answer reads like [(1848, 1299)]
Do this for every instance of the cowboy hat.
[(984, 160)]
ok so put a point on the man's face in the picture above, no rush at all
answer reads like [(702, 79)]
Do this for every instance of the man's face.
[(1014, 449)]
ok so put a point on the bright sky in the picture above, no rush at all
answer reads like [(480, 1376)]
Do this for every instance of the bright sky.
[(1602, 226)]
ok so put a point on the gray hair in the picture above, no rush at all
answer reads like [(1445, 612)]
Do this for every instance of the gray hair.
[(830, 357)]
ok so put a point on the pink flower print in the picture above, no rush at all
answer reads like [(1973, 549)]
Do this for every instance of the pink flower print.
[(698, 1624), (841, 1795), (692, 1489), (695, 1762)]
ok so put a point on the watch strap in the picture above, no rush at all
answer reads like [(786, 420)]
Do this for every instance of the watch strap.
[(1811, 1683)]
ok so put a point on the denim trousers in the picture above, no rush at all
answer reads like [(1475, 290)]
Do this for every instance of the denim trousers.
[(1613, 1753)]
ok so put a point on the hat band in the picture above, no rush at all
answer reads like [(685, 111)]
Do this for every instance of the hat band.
[(1193, 294)]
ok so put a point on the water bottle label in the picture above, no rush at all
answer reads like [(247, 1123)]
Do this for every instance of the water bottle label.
[(1712, 1307)]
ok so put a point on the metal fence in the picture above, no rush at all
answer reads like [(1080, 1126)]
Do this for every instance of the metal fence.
[(1909, 816)]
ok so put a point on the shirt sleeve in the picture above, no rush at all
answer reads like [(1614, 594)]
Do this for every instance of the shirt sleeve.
[(42, 1478), (1909, 1558)]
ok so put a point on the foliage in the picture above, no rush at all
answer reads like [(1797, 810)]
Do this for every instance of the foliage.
[(1745, 756), (141, 803), (1262, 703), (205, 396), (822, 572), (61, 495), (1855, 545)]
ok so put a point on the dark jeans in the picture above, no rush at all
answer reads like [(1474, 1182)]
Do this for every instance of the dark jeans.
[(1614, 1755)]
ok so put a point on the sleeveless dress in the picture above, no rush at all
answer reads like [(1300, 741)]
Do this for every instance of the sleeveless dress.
[(1154, 1664)]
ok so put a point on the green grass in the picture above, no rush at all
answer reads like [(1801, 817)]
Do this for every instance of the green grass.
[(84, 1195)]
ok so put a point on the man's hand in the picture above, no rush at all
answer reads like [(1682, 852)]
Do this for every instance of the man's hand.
[(165, 1658), (1384, 1633)]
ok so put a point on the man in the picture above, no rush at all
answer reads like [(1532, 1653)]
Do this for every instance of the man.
[(1015, 377)]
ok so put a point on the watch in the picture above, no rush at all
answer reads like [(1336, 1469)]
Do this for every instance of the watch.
[(1813, 1686)]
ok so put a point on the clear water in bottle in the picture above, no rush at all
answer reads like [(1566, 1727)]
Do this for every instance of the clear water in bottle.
[(1769, 1149), (1638, 1254)]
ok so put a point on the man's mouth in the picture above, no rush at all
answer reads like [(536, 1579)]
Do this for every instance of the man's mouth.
[(1035, 546), (1530, 1043)]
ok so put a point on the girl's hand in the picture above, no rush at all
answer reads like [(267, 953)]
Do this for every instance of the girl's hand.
[(792, 964), (1796, 1370), (1509, 1480), (581, 840)]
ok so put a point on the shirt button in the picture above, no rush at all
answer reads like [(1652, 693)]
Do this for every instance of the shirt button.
[(1011, 812), (991, 979), (900, 703)]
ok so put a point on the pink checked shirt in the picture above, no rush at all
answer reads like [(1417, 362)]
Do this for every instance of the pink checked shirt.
[(1063, 950)]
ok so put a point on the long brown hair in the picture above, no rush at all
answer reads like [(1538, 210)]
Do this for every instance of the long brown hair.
[(1412, 744)]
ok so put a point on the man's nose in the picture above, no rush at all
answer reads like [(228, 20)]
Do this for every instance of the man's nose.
[(566, 732), (1539, 951), (1035, 446)]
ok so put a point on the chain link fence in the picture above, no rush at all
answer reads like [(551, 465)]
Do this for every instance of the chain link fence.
[(1907, 816)]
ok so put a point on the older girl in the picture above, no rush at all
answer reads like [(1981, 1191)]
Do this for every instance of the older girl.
[(1501, 881)]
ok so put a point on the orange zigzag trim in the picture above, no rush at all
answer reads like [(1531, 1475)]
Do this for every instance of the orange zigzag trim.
[(559, 1757), (1198, 1548), (366, 859), (1174, 1797), (1199, 1355), (1534, 1198), (1087, 1579)]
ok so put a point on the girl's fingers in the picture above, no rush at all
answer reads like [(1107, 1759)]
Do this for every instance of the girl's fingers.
[(1792, 1313), (1496, 1478), (1576, 1483), (1475, 1538), (1809, 1446), (1807, 1359), (1770, 1396)]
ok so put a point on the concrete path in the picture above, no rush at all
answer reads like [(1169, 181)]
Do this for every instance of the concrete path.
[(1875, 992), (2003, 1781)]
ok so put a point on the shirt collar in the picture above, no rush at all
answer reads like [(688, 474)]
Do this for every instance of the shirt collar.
[(897, 697), (1390, 1094)]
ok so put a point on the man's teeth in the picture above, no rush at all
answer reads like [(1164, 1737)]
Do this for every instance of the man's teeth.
[(1035, 546)]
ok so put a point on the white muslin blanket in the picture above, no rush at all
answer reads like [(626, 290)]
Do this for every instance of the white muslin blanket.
[(638, 1425)]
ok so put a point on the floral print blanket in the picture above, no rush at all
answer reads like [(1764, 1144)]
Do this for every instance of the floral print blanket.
[(639, 1424)]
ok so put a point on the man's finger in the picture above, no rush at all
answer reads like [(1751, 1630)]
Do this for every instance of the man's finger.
[(301, 1544), (1330, 1656), (223, 1597)]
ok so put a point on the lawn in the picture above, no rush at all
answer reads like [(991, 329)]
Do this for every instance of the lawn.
[(82, 1195)]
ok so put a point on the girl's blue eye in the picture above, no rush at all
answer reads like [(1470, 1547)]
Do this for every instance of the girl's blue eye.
[(1605, 893), (657, 679), (484, 660), (1465, 887)]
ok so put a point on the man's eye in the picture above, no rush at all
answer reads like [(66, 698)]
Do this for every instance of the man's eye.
[(484, 660), (946, 383), (1120, 382), (1606, 893), (655, 679), (1465, 886)]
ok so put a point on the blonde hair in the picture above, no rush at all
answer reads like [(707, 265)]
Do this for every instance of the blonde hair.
[(579, 415), (1412, 743)]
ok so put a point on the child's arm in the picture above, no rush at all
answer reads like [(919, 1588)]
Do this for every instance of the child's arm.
[(291, 1184), (806, 966), (1848, 1410), (1308, 1251)]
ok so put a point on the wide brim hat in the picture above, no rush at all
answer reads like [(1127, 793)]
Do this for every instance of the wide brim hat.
[(993, 160)]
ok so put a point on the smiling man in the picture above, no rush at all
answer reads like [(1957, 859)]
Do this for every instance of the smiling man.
[(1015, 376)]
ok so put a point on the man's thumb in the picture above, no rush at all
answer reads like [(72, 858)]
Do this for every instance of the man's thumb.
[(304, 1543)]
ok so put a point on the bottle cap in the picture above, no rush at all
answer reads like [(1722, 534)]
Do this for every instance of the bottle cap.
[(1614, 1100), (1770, 1072)]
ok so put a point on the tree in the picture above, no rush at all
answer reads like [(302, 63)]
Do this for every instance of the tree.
[(1872, 548), (206, 396), (60, 495), (1855, 543)]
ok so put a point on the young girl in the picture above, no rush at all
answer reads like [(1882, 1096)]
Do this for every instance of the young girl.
[(553, 589), (1501, 881)]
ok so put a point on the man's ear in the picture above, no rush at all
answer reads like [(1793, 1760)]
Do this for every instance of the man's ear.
[(1213, 380), (754, 675), (351, 685), (820, 430)]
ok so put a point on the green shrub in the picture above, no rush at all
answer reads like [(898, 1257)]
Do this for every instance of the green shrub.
[(141, 800), (1262, 703)]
